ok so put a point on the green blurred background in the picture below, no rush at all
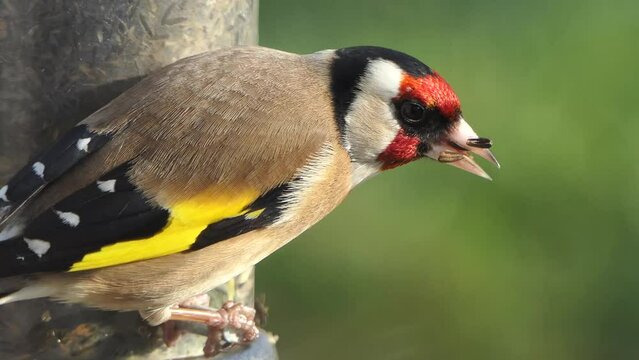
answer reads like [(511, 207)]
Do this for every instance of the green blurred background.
[(428, 262)]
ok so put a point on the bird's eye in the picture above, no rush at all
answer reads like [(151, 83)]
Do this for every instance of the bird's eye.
[(412, 112)]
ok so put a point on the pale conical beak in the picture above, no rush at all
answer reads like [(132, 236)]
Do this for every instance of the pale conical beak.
[(456, 150)]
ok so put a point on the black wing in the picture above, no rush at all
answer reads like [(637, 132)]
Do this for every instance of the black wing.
[(110, 211), (74, 146), (103, 213)]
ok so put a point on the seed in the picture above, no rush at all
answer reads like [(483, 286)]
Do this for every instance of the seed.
[(483, 143)]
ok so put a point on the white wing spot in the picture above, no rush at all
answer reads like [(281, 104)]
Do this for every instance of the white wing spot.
[(83, 144), (69, 218), (38, 169), (106, 185), (3, 193), (39, 247)]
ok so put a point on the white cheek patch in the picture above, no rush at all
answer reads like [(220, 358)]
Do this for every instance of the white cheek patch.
[(370, 128), (370, 121), (382, 79)]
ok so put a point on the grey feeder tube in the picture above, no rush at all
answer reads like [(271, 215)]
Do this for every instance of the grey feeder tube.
[(61, 60)]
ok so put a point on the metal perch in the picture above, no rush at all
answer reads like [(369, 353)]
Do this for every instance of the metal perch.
[(61, 60)]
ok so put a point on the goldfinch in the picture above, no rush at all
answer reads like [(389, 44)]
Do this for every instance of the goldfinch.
[(209, 165)]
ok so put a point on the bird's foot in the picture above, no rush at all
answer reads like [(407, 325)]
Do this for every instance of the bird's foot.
[(232, 324)]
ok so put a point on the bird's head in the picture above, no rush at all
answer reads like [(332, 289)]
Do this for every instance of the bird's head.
[(392, 109)]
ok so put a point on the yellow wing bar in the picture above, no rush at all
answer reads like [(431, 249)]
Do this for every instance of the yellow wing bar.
[(187, 220)]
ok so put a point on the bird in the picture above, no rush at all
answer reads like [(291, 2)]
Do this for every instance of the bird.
[(210, 164)]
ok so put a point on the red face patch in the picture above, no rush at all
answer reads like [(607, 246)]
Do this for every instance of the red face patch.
[(402, 150), (433, 91)]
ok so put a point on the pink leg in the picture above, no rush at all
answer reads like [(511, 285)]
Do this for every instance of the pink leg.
[(171, 331), (232, 324)]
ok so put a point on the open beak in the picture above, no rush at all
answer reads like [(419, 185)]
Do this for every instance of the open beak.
[(458, 147)]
